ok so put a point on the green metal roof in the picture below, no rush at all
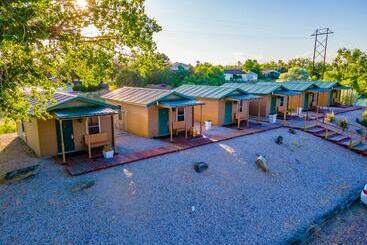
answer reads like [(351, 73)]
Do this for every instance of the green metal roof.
[(244, 97), (180, 103), (143, 96), (79, 101), (319, 90), (323, 84), (83, 112), (209, 92), (255, 88), (286, 93), (300, 86)]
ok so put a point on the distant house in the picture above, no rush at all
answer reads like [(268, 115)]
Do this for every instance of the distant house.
[(272, 74), (239, 75), (176, 66)]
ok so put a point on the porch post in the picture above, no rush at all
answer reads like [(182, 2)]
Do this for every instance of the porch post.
[(185, 123), (62, 142), (201, 118), (317, 109), (238, 113), (258, 110), (113, 132), (170, 124), (87, 131), (99, 124)]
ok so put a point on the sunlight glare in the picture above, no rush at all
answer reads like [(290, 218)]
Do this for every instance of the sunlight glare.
[(81, 3)]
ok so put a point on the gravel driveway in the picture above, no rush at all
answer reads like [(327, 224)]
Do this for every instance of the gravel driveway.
[(162, 200)]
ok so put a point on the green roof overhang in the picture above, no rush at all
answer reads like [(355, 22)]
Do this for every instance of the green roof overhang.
[(243, 97), (286, 93), (180, 103), (81, 112), (318, 90)]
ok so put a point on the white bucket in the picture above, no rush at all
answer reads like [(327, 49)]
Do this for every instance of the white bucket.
[(364, 195), (108, 154), (208, 125), (272, 118), (299, 111)]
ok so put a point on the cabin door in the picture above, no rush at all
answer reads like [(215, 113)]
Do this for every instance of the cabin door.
[(331, 97), (228, 113), (68, 136), (273, 105), (163, 117), (305, 104)]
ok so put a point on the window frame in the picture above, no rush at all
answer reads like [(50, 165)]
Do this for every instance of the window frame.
[(94, 126), (180, 117)]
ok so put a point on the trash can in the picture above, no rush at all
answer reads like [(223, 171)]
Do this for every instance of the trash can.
[(272, 118), (208, 125)]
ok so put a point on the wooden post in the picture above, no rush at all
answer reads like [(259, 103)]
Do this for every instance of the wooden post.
[(201, 118), (62, 142), (87, 131), (185, 122), (170, 122), (317, 115), (304, 123), (238, 113), (326, 131), (351, 139), (113, 132), (285, 118), (258, 110)]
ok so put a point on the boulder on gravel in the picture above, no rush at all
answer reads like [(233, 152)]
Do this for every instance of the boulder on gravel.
[(200, 166), (20, 174), (83, 185), (292, 131), (279, 140), (262, 163)]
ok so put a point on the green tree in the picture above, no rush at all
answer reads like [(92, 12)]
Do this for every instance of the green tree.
[(294, 74), (252, 65), (350, 68), (43, 43), (206, 74)]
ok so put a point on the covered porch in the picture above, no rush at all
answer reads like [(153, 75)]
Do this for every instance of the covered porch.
[(242, 111), (177, 116), (83, 125)]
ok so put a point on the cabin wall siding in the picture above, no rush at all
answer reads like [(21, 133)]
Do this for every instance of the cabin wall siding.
[(324, 99), (265, 103), (48, 138), (30, 135), (210, 111)]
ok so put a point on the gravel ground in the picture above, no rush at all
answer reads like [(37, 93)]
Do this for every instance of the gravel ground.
[(348, 227), (14, 153), (127, 143), (162, 200), (351, 116)]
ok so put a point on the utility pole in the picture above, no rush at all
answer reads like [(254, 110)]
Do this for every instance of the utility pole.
[(319, 50)]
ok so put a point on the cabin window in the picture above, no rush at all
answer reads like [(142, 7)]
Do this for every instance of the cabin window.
[(93, 125), (281, 101), (120, 115), (240, 105), (180, 114)]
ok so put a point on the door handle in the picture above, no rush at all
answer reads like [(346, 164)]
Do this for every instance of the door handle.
[(72, 136)]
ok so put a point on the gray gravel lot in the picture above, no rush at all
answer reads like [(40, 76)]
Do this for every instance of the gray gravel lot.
[(162, 200), (127, 143)]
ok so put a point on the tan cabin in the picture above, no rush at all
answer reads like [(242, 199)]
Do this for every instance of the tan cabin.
[(155, 112), (76, 124), (223, 106)]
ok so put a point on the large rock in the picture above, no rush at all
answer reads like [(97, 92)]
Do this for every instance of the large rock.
[(83, 185), (279, 140), (20, 174), (200, 166), (262, 163)]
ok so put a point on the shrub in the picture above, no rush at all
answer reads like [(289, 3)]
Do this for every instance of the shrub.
[(7, 126), (330, 117), (343, 123)]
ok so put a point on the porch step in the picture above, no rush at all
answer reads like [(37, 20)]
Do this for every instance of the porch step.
[(361, 147), (315, 129), (330, 133), (338, 138)]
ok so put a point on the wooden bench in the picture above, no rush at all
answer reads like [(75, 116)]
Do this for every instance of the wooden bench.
[(95, 140)]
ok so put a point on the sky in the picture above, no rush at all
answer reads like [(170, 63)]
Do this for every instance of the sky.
[(225, 32)]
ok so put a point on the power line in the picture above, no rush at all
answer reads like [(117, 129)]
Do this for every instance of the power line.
[(320, 47)]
